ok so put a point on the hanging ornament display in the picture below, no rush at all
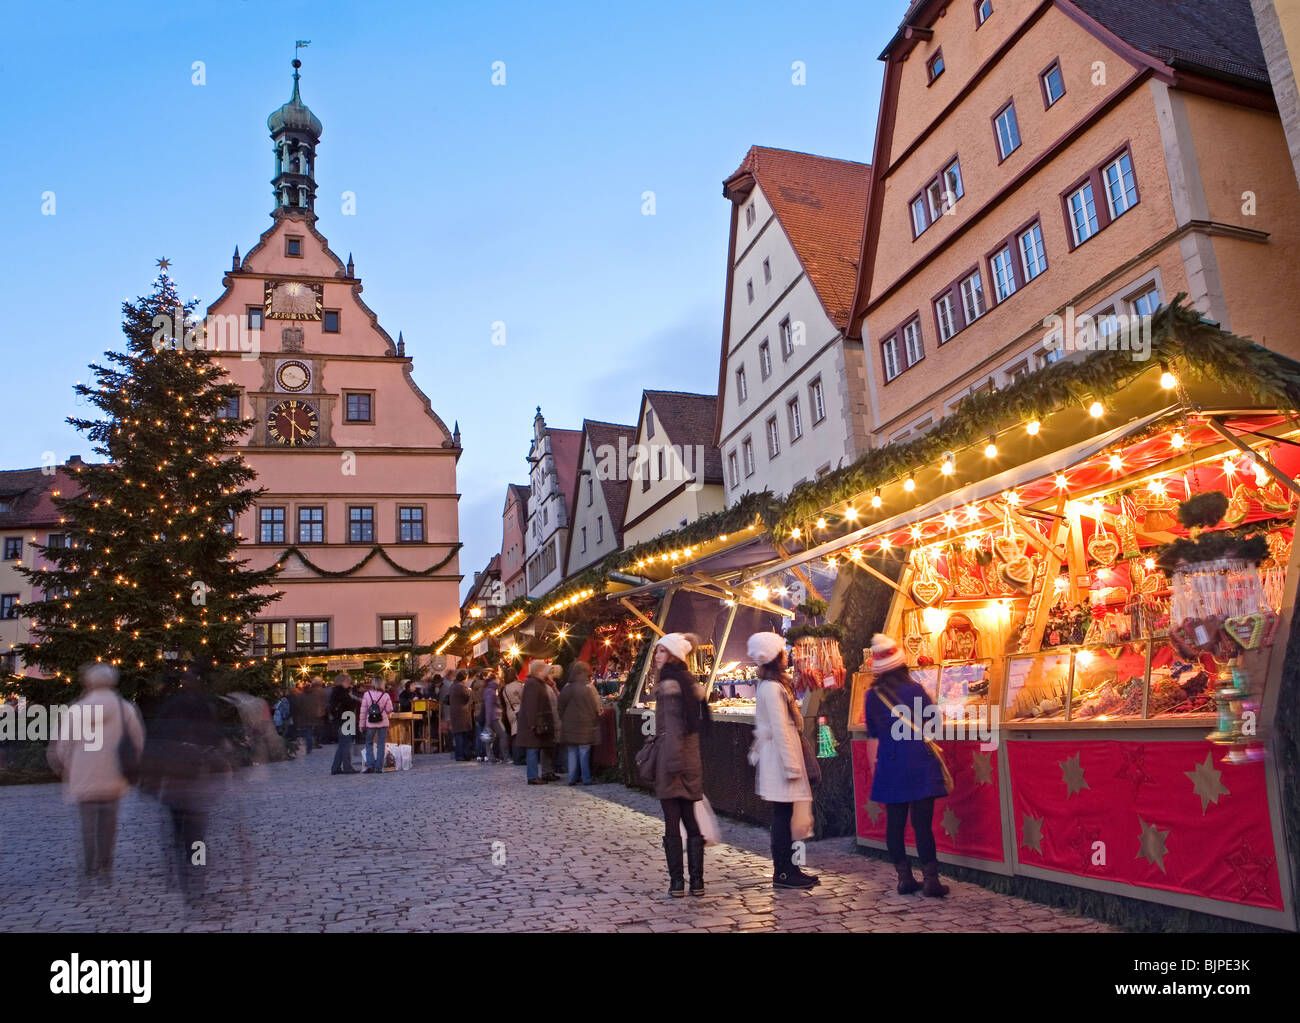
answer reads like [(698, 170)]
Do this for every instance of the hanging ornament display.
[(1126, 529), (959, 640), (1155, 510), (928, 588), (1103, 548), (1015, 570), (963, 572)]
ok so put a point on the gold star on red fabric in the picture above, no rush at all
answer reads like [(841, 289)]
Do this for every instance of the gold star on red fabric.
[(1134, 768), (1207, 783), (1072, 775), (874, 811), (1082, 840), (1151, 845), (951, 822), (982, 765), (1031, 833)]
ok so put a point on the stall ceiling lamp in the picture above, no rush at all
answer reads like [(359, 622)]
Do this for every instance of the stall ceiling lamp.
[(1096, 410), (972, 513), (950, 520), (761, 593), (1062, 481), (1115, 462), (1157, 487), (909, 484), (884, 543), (1167, 380), (875, 499), (916, 532), (1032, 427), (1177, 440), (973, 542), (850, 514), (821, 523), (991, 448), (949, 465), (1012, 497)]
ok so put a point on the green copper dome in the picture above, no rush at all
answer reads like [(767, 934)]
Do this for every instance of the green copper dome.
[(295, 115)]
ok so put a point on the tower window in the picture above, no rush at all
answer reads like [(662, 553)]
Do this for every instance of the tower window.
[(254, 317), (330, 321), (293, 245)]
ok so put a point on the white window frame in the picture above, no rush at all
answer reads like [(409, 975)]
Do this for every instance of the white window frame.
[(750, 214), (973, 303), (946, 316), (796, 418), (983, 11), (1085, 207), (817, 399), (787, 338), (1035, 266), (749, 290), (733, 469), (765, 358), (920, 220), (1002, 263), (1046, 78), (742, 386), (767, 270), (773, 431), (889, 357), (747, 455), (1007, 130), (953, 182), (1136, 298), (913, 345), (1127, 182)]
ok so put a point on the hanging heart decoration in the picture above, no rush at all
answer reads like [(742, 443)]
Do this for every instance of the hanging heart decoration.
[(1019, 572), (1008, 548), (1103, 548), (1152, 582), (1247, 631), (928, 588), (912, 644)]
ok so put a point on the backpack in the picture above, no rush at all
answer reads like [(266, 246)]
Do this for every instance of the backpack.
[(375, 715)]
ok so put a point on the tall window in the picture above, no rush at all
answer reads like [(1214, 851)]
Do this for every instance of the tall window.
[(229, 408), (600, 529), (733, 469), (1053, 84), (742, 385), (591, 491), (1033, 258), (583, 532), (749, 215), (410, 524), (330, 321), (361, 524), (983, 11), (913, 352), (889, 357), (749, 289), (747, 452), (1083, 214), (767, 271), (796, 419), (311, 635), (396, 631), (952, 182), (650, 422), (254, 317), (311, 525), (8, 605), (1004, 275), (270, 638), (919, 219), (1121, 189), (972, 297), (817, 397), (1008, 131), (944, 316), (773, 438), (765, 359), (787, 339), (934, 66), (270, 525), (13, 548)]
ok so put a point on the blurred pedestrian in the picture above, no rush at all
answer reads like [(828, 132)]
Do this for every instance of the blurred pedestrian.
[(536, 721), (376, 705), (407, 696), (476, 713), (781, 778), (460, 701), (908, 775), (680, 714), (512, 695), (551, 755), (98, 768), (492, 718), (344, 712), (579, 706)]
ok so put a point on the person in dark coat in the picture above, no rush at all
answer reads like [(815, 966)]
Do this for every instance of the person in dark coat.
[(407, 696), (907, 777), (537, 722), (492, 717), (462, 722), (344, 710), (579, 707), (680, 713)]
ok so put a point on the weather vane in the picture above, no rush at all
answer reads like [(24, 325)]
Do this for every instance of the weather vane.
[(298, 45)]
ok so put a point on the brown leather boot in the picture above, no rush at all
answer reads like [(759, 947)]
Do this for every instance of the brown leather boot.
[(907, 883), (673, 854), (695, 863), (932, 888)]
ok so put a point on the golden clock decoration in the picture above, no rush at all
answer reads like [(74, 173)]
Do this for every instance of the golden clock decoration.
[(292, 423), (293, 300), (293, 375)]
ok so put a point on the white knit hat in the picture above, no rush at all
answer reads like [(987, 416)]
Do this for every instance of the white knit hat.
[(765, 647), (885, 654), (99, 676), (676, 644)]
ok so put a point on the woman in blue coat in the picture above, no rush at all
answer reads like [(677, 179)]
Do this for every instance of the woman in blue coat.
[(907, 777)]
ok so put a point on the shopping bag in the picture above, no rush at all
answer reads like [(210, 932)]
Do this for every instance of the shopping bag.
[(707, 821), (801, 821)]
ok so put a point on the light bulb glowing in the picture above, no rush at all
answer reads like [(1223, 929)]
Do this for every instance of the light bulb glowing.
[(1157, 487), (1149, 564), (991, 449), (909, 484), (948, 465), (875, 499), (1115, 462), (950, 520), (761, 593), (1096, 410), (884, 543), (1012, 497), (972, 542), (850, 514), (796, 532), (1177, 441), (1032, 427), (916, 532), (1061, 481), (821, 523), (1167, 380)]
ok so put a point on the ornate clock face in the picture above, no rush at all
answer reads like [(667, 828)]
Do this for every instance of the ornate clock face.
[(294, 300), (293, 376), (292, 423)]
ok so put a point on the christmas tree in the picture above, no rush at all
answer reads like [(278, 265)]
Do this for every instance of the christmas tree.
[(148, 577)]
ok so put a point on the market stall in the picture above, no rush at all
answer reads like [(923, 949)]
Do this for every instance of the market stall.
[(1097, 600)]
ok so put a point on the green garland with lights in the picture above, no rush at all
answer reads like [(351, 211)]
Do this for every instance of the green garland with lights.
[(1179, 334)]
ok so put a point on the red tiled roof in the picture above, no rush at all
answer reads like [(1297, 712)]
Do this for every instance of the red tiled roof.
[(689, 421), (821, 203), (566, 452), (30, 495), (615, 490)]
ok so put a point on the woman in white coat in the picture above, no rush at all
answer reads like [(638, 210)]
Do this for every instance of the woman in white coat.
[(777, 753)]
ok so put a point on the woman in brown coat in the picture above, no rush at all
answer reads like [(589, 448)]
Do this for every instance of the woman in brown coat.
[(537, 722), (462, 720), (579, 720), (680, 713)]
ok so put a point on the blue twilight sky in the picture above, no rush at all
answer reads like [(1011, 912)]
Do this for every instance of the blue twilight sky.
[(475, 203)]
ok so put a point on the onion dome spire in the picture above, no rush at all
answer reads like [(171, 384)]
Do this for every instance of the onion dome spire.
[(296, 132)]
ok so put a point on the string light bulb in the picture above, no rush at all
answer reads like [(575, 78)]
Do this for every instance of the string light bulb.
[(821, 523), (1177, 441), (1096, 410), (850, 514), (991, 448), (1032, 427), (948, 466), (909, 484), (875, 499), (1062, 481), (1167, 380)]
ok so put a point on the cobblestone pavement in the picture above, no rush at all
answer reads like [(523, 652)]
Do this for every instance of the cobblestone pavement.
[(294, 849)]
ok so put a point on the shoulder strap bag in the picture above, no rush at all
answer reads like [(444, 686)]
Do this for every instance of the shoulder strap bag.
[(930, 744)]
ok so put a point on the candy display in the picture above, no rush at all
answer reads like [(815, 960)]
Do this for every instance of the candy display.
[(818, 663)]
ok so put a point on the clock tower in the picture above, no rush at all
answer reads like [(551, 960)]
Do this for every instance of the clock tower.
[(359, 471)]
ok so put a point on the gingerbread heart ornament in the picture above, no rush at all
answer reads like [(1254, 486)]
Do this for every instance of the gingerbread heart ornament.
[(1247, 631), (1019, 572), (1007, 548), (1103, 549), (929, 590), (1152, 582), (912, 643)]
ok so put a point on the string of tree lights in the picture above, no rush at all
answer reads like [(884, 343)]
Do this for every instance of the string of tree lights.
[(148, 573)]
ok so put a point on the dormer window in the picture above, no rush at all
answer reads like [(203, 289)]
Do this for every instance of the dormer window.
[(750, 215), (934, 66), (293, 245)]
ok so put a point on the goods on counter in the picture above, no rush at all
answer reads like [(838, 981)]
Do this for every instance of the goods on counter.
[(1067, 624), (1117, 696), (1180, 688), (960, 639), (818, 663)]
